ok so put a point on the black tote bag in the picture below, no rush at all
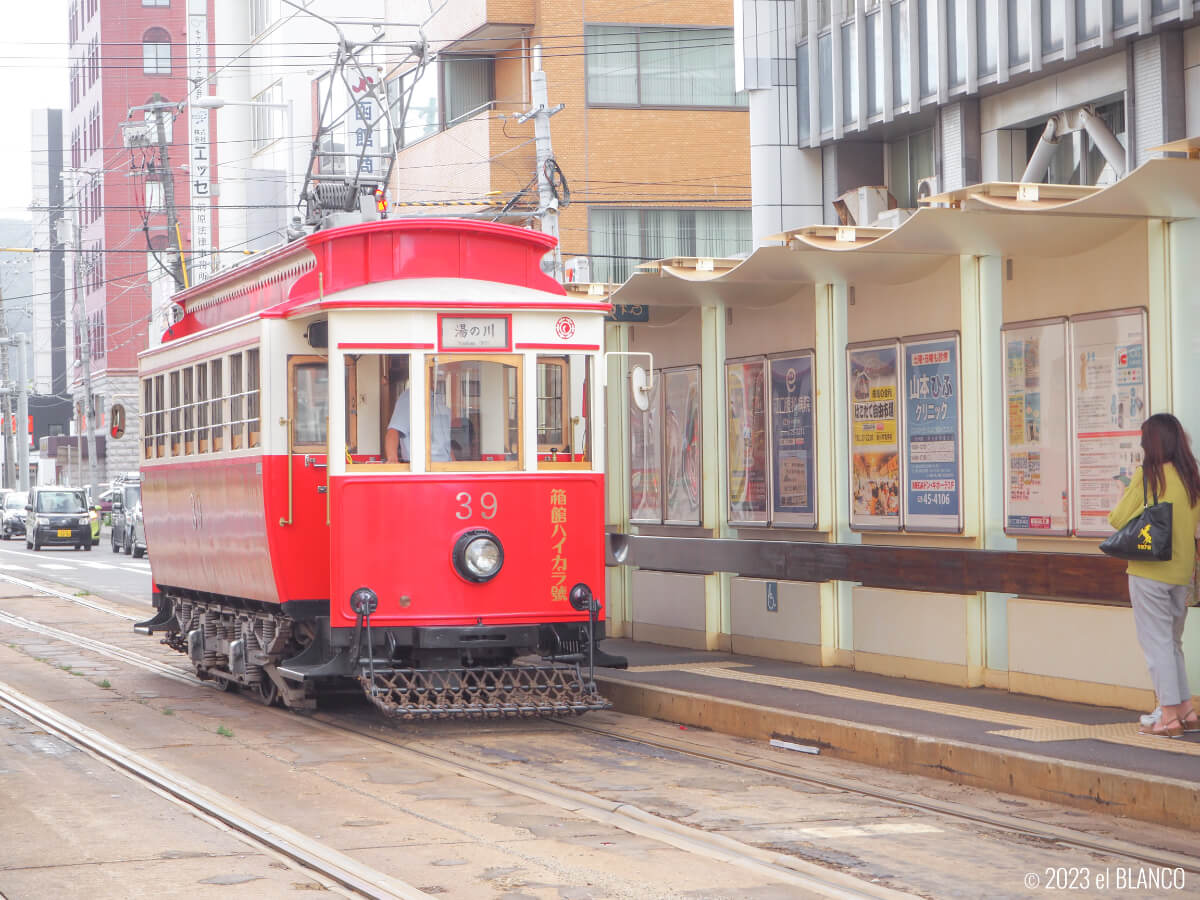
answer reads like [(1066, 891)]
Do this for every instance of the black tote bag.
[(1147, 536)]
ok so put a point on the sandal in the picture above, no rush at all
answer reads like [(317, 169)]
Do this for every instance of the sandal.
[(1174, 730), (1191, 724)]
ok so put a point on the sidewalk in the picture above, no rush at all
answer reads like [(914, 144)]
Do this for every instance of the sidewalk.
[(1085, 756)]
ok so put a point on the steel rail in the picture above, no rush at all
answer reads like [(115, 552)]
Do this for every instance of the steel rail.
[(950, 809), (281, 839)]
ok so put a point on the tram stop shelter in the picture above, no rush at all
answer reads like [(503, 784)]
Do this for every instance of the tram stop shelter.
[(893, 449)]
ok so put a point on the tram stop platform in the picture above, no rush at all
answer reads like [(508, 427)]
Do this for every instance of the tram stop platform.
[(1089, 757)]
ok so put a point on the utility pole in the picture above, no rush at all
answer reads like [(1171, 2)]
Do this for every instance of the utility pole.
[(6, 427), (161, 108), (541, 112), (85, 351), (22, 431)]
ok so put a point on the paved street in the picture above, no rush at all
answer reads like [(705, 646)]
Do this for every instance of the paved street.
[(113, 575)]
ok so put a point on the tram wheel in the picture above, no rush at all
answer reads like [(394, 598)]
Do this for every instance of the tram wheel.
[(224, 684), (267, 692)]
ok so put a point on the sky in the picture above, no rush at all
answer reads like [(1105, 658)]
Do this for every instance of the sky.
[(33, 74)]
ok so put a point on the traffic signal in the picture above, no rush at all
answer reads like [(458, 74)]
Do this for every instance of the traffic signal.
[(381, 204)]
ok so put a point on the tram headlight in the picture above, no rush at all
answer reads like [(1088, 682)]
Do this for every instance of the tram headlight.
[(478, 556)]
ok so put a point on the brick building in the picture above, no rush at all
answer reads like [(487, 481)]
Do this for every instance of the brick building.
[(652, 140), (122, 53)]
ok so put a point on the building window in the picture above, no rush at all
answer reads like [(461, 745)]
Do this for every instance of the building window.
[(927, 46), (849, 75), (264, 115), (874, 52), (619, 239), (1018, 32), (643, 66), (1087, 20), (1125, 12), (910, 159), (900, 49), (434, 98), (259, 16), (156, 52), (825, 81), (987, 29), (956, 30), (803, 111), (1053, 25)]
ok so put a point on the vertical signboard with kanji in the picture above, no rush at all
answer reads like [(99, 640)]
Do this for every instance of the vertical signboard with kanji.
[(874, 436), (746, 422), (793, 445), (1037, 455), (200, 162), (645, 458), (1108, 378), (932, 435), (681, 458)]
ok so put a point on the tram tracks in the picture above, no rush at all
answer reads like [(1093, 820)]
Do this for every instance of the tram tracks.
[(638, 821)]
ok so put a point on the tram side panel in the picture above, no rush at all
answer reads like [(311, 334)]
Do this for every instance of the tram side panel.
[(396, 537), (206, 527)]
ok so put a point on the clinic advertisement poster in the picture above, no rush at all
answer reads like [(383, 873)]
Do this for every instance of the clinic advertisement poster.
[(932, 439), (1037, 456), (645, 458), (874, 437), (1108, 378), (793, 442), (746, 424)]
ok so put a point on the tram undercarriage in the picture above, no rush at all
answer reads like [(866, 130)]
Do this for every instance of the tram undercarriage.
[(408, 673)]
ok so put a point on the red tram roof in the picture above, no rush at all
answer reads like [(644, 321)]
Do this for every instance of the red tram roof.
[(328, 262)]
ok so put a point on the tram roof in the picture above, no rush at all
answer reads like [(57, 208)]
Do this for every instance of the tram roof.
[(991, 219), (312, 272)]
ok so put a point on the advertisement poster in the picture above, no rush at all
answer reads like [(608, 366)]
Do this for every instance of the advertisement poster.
[(793, 441), (932, 439), (1108, 374), (746, 389), (874, 437), (645, 458), (682, 435), (1036, 434)]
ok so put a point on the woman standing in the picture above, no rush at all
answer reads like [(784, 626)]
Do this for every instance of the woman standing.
[(1159, 590)]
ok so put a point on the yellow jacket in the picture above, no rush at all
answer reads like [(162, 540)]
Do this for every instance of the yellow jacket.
[(1178, 569)]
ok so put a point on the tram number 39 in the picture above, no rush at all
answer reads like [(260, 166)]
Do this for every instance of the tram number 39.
[(487, 505)]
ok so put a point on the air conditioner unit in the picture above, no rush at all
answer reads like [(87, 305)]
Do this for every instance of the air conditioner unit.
[(891, 218), (928, 187), (577, 270), (860, 205)]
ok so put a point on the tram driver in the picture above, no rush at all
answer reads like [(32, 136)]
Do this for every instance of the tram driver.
[(397, 441)]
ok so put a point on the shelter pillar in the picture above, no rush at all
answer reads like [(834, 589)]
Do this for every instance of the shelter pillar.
[(984, 415), (714, 510), (833, 455), (619, 579), (1182, 305)]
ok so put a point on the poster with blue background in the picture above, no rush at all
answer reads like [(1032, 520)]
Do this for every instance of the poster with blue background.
[(932, 435), (793, 449)]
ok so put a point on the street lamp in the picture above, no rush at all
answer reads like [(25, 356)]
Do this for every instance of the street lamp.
[(212, 101)]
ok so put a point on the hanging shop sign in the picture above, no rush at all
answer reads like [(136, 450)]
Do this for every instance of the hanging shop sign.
[(793, 441), (645, 458), (1037, 454), (874, 436), (932, 432), (746, 423), (681, 449), (1108, 378)]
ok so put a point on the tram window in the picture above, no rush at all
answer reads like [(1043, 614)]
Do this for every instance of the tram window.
[(309, 397), (563, 406), (252, 395), (473, 412), (176, 432), (237, 425), (202, 407), (189, 412), (159, 420), (218, 398), (147, 418)]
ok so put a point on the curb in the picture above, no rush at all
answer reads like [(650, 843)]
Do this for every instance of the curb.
[(1147, 798)]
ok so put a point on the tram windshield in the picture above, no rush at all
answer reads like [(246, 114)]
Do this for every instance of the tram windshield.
[(473, 411), (563, 411)]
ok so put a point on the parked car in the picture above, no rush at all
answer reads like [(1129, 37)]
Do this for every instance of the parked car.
[(57, 515), (127, 498), (13, 512), (137, 533)]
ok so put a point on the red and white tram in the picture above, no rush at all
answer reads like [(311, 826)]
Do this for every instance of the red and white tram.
[(372, 454)]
